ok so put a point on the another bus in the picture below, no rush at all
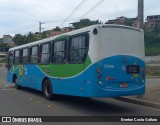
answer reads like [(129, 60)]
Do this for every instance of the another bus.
[(96, 61)]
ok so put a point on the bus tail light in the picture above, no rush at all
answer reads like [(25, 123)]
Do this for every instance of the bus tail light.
[(99, 76), (143, 75), (99, 70)]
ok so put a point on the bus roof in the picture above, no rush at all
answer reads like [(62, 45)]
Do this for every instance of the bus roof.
[(86, 29)]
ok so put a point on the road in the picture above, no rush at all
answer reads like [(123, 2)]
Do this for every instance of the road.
[(27, 102)]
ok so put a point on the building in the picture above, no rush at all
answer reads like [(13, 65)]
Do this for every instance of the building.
[(7, 39), (54, 33), (63, 30), (37, 35), (66, 29), (124, 21), (152, 20), (118, 20)]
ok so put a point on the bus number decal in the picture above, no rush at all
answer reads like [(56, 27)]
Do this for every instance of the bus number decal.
[(107, 66)]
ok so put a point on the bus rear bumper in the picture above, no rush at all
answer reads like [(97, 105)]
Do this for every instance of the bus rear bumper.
[(100, 92)]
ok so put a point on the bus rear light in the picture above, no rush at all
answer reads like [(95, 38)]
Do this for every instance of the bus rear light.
[(99, 70), (143, 75), (108, 78), (99, 76)]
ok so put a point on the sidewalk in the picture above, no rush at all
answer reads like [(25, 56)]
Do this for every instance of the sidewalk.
[(152, 95), (150, 99)]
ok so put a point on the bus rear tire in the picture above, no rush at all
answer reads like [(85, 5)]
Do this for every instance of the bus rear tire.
[(47, 90), (16, 83)]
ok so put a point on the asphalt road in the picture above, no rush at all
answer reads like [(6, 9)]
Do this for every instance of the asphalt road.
[(27, 102)]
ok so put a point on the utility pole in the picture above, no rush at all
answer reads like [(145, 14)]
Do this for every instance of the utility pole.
[(140, 13), (40, 26)]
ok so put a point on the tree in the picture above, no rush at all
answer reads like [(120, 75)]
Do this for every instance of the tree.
[(30, 38), (85, 22), (19, 39), (152, 40), (57, 29)]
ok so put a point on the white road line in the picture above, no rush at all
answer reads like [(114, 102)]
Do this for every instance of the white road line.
[(8, 89)]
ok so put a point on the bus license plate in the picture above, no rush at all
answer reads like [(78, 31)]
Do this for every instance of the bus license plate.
[(133, 69), (123, 85)]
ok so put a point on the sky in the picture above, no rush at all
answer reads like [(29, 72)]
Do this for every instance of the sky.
[(23, 16)]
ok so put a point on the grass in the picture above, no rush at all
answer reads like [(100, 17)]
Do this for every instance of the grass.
[(153, 70), (152, 49)]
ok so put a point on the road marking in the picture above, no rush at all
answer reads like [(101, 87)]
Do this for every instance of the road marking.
[(8, 89), (30, 98), (50, 106), (38, 102)]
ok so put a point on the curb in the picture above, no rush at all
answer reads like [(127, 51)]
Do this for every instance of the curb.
[(152, 76), (139, 102)]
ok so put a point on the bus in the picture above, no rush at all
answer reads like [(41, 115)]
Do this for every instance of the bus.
[(96, 61)]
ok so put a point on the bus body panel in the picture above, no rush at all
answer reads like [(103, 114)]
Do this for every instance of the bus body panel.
[(104, 73)]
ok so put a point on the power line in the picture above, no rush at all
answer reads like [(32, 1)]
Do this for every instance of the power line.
[(94, 7), (123, 12), (149, 8), (73, 12)]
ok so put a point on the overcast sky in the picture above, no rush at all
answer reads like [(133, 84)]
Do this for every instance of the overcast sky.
[(22, 16)]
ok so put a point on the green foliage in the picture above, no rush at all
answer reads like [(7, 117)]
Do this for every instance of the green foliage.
[(153, 70), (19, 39), (3, 45), (152, 40), (2, 60), (57, 29), (30, 37), (152, 49), (85, 22)]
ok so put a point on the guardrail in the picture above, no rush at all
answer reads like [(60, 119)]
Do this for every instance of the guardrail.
[(152, 59)]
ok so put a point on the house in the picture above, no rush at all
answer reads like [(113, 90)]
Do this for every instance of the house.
[(152, 20), (124, 21), (7, 39)]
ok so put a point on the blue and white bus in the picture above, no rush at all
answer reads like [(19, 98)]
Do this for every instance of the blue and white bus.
[(96, 61)]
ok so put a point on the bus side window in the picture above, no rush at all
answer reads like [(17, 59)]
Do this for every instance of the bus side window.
[(34, 55), (59, 52), (17, 57), (78, 49), (25, 56), (45, 53)]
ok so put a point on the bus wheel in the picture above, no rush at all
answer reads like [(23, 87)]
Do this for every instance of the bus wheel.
[(16, 83), (47, 90)]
